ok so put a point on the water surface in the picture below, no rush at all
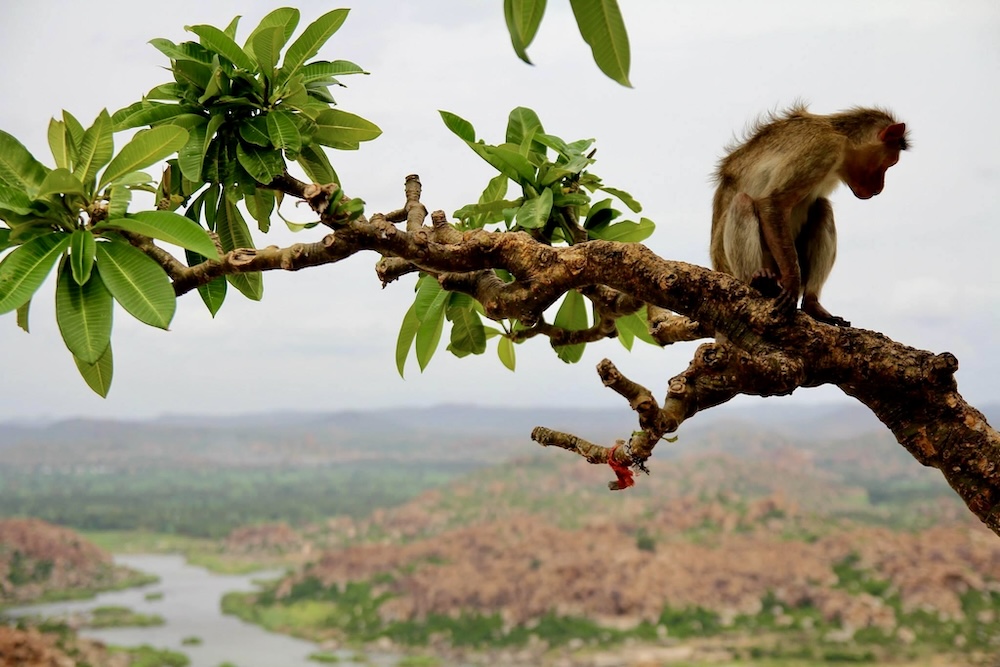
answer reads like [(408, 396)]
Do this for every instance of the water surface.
[(191, 608)]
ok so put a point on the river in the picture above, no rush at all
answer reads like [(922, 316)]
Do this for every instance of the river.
[(190, 605)]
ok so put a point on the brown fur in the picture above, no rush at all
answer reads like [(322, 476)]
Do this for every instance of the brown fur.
[(772, 225)]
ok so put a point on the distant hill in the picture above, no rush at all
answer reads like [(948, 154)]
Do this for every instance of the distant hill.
[(456, 433)]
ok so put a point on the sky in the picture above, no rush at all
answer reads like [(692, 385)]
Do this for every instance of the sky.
[(918, 263)]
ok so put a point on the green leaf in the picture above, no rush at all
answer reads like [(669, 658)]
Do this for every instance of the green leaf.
[(600, 215), (18, 168), (429, 332), (534, 213), (24, 269), (22, 315), (84, 314), (232, 27), (82, 250), (505, 350), (254, 131), (119, 197), (310, 41), (234, 233), (572, 315), (191, 73), (96, 148), (147, 113), (521, 124), (137, 283), (213, 294), (635, 325), (495, 190), (625, 231), (625, 335), (625, 198), (428, 289), (60, 143), (523, 18), (166, 226), (285, 18), (98, 376), (467, 332), (60, 181), (218, 86), (602, 27), (73, 129), (407, 332), (322, 70), (262, 165), (191, 156), (488, 212), (335, 127), (187, 51), (216, 40), (516, 166), (317, 166), (15, 201), (260, 205), (146, 148), (267, 49), (281, 128), (462, 128)]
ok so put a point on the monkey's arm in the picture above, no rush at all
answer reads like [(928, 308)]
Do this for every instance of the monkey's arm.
[(776, 231)]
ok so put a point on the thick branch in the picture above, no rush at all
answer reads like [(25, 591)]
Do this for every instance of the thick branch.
[(912, 391)]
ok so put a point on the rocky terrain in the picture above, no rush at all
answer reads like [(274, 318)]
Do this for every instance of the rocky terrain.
[(31, 647), (40, 561), (775, 553)]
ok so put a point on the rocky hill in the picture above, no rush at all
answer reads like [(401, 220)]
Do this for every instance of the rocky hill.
[(40, 561), (777, 550)]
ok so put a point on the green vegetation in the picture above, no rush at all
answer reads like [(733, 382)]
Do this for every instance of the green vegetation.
[(782, 635), (191, 641), (147, 656), (120, 617), (210, 503), (419, 661), (22, 571), (132, 580), (153, 597), (324, 657)]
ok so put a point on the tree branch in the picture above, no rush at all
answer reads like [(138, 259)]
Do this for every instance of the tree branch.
[(912, 391)]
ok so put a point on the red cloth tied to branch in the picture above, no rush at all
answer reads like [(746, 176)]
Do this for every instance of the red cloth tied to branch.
[(622, 471)]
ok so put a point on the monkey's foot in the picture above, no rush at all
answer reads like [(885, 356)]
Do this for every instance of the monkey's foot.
[(811, 307), (766, 282)]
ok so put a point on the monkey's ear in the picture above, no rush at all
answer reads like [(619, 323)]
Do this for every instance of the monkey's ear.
[(893, 134)]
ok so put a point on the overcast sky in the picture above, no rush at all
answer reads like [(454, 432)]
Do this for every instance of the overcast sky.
[(918, 263)]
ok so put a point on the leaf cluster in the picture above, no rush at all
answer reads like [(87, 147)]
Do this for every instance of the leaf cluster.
[(600, 23), (225, 125), (556, 206)]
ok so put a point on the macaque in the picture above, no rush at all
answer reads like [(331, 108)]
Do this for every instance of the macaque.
[(772, 224)]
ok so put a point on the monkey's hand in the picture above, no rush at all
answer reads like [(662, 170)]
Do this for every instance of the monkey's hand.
[(787, 302), (812, 308), (770, 285), (766, 282)]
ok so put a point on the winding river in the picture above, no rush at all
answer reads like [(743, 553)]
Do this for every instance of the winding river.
[(191, 608)]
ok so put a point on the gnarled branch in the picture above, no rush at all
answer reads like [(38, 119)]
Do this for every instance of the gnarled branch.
[(912, 391)]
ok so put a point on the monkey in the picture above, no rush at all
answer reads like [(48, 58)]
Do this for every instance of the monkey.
[(772, 224)]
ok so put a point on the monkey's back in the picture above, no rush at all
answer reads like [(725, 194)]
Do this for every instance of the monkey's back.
[(781, 153)]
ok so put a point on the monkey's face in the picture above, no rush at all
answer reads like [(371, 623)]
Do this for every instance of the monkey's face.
[(865, 167)]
